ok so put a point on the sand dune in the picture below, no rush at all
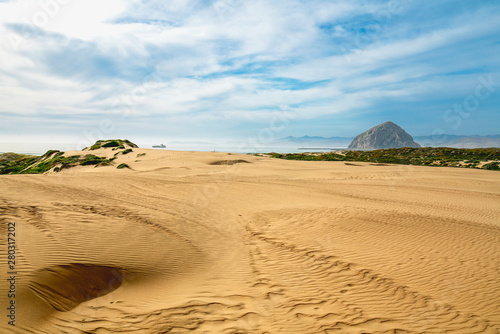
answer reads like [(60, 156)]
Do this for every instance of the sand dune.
[(226, 243)]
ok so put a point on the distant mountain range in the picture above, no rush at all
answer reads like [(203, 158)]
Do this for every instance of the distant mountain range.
[(459, 141), (455, 141)]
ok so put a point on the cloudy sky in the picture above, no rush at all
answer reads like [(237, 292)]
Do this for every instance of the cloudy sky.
[(154, 70)]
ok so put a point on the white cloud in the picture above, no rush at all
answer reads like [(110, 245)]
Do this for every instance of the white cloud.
[(227, 59)]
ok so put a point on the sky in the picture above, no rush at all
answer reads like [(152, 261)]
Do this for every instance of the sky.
[(152, 71)]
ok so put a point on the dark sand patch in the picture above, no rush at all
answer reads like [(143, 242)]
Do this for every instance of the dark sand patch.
[(66, 286), (229, 162)]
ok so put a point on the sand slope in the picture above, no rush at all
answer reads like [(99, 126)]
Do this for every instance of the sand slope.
[(226, 243)]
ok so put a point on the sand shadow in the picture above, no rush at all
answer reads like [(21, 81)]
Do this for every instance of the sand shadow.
[(229, 162), (66, 286)]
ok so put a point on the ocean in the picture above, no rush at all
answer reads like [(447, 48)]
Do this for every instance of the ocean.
[(41, 148)]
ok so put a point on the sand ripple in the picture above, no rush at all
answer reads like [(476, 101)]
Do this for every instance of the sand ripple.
[(182, 244)]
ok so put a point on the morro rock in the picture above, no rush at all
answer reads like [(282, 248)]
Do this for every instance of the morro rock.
[(385, 135)]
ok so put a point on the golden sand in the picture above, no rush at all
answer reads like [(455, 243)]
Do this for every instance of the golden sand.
[(192, 242)]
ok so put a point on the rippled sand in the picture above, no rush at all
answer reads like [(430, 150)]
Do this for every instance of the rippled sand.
[(226, 243)]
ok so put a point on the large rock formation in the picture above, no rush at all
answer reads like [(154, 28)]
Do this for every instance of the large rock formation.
[(385, 135)]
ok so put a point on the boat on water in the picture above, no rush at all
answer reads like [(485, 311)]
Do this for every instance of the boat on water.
[(159, 146)]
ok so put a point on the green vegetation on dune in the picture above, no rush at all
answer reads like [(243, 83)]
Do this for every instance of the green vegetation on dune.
[(92, 160), (13, 163), (492, 166), (113, 143), (127, 151), (424, 156), (45, 163), (121, 166), (10, 156), (40, 165)]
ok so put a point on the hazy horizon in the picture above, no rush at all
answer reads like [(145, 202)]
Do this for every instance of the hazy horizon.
[(236, 145)]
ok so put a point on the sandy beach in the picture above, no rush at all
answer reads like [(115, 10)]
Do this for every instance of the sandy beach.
[(205, 242)]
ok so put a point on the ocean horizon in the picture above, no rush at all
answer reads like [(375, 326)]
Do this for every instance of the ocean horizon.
[(42, 148)]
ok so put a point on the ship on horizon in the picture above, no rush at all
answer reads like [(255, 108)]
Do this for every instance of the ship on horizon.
[(159, 146)]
